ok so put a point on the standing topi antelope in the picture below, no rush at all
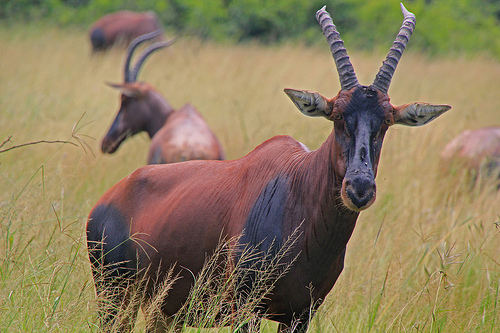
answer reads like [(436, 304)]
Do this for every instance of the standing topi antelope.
[(179, 212), (121, 28), (176, 135)]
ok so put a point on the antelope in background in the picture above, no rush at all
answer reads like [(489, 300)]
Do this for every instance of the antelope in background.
[(179, 213), (477, 150), (121, 28), (176, 135)]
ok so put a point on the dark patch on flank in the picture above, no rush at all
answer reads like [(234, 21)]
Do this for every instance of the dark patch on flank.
[(108, 242), (263, 228), (262, 236)]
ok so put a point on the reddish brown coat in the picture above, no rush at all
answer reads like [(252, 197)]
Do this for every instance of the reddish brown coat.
[(184, 136), (178, 213), (185, 209)]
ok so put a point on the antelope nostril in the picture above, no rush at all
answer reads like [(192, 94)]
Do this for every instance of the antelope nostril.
[(362, 184), (360, 201), (360, 190)]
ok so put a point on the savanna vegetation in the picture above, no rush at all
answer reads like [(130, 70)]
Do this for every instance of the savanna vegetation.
[(424, 258)]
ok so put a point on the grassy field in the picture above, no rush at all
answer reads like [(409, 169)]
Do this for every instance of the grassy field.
[(424, 258)]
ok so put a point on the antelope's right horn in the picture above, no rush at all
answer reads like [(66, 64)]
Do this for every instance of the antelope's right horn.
[(150, 49), (346, 72), (130, 50)]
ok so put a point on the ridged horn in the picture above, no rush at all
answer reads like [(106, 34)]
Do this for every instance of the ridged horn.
[(130, 50), (385, 73), (347, 76), (150, 49)]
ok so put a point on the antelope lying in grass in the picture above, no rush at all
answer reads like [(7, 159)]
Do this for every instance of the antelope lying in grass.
[(177, 214), (476, 150), (176, 135)]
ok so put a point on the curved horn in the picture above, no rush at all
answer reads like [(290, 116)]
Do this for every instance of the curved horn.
[(384, 75), (130, 50), (347, 76), (150, 49)]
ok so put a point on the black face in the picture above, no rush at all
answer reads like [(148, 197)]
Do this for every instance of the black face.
[(361, 121), (128, 121)]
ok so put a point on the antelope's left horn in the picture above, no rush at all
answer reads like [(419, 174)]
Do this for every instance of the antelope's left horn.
[(385, 73)]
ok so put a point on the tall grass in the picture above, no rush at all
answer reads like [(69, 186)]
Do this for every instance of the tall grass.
[(424, 258)]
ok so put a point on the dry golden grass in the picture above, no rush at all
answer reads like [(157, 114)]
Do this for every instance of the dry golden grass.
[(424, 258)]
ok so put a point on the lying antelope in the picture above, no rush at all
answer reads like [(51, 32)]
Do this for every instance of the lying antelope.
[(121, 27), (176, 135), (178, 213), (478, 150)]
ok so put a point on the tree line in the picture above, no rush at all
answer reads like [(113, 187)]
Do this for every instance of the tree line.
[(443, 26)]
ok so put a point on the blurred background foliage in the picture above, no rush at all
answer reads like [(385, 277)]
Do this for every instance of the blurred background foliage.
[(456, 27)]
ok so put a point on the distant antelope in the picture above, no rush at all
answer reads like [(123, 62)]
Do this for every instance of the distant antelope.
[(176, 135), (177, 214), (121, 27), (478, 150)]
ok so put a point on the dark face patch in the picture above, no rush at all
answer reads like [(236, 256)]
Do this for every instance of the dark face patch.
[(362, 123), (360, 126), (129, 121)]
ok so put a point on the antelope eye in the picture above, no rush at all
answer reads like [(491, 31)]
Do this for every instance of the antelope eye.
[(337, 116), (387, 121)]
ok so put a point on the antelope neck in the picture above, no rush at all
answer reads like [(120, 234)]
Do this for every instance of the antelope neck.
[(318, 182), (160, 110)]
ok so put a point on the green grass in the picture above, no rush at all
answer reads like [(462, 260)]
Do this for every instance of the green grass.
[(424, 258)]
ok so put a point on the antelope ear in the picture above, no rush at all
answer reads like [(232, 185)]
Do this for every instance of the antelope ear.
[(310, 103), (418, 114), (126, 89)]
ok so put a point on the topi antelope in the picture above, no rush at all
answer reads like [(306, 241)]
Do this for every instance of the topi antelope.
[(176, 135), (121, 27), (178, 213), (477, 150)]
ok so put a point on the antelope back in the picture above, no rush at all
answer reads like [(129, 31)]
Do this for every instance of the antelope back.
[(185, 136)]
